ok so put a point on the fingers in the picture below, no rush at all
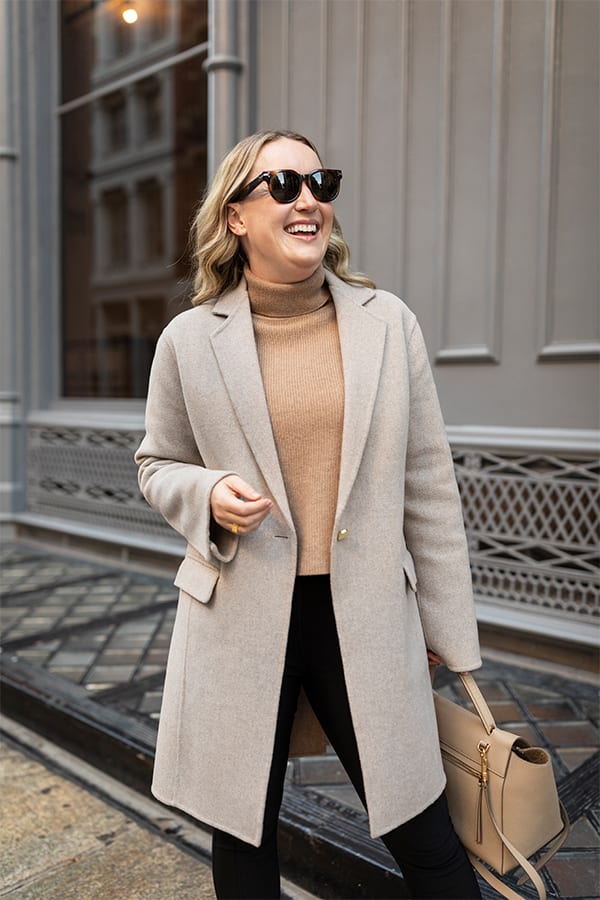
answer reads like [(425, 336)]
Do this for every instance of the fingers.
[(434, 659), (246, 521), (238, 487), (236, 506)]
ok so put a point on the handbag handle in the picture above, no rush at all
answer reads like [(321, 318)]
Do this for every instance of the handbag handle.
[(476, 697), (478, 701)]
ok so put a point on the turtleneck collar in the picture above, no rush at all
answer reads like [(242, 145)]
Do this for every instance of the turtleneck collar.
[(286, 300)]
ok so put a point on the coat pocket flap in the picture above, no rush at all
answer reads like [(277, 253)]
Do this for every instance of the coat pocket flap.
[(197, 579), (409, 570)]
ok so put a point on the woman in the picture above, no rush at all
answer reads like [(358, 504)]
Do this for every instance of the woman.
[(294, 438)]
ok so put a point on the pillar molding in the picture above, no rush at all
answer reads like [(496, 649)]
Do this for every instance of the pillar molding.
[(224, 67), (11, 400)]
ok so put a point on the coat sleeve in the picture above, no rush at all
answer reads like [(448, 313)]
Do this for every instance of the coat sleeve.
[(433, 523), (172, 475)]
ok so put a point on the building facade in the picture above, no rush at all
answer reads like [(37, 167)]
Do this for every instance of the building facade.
[(468, 132)]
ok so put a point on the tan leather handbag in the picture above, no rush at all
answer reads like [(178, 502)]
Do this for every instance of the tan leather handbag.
[(501, 792)]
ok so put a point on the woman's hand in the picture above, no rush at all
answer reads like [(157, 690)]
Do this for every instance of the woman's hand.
[(434, 659), (237, 507)]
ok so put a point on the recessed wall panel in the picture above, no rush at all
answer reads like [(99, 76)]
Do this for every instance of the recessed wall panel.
[(346, 141), (272, 66), (383, 184), (307, 59), (419, 280), (470, 160), (570, 235)]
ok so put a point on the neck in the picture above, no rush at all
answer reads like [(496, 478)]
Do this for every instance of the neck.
[(285, 300)]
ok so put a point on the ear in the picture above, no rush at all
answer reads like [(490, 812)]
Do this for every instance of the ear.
[(234, 220)]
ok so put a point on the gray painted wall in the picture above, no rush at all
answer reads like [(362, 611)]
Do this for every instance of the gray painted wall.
[(469, 137)]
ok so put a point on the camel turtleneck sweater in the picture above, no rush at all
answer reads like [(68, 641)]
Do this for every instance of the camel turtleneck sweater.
[(301, 364)]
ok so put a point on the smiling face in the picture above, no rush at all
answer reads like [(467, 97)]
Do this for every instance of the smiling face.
[(283, 242)]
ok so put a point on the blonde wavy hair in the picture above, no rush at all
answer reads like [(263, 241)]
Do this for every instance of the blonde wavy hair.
[(217, 253)]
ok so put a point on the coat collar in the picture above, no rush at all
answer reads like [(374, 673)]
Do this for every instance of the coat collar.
[(362, 339), (227, 303)]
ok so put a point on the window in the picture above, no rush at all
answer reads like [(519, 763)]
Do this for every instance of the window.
[(122, 35), (153, 223), (116, 228), (158, 21), (114, 122), (127, 197), (114, 348), (150, 108)]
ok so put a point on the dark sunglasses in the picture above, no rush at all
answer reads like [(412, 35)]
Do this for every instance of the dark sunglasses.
[(285, 185)]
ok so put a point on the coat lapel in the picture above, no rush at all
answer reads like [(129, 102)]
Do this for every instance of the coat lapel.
[(235, 349), (362, 341)]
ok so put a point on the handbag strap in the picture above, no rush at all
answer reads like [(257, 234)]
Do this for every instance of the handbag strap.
[(529, 869), (554, 845), (478, 701), (495, 882), (477, 698)]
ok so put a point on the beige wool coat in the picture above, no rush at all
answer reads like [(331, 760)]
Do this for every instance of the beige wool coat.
[(400, 576)]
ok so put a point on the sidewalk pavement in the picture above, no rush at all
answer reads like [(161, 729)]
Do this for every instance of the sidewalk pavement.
[(84, 646), (61, 842), (71, 832)]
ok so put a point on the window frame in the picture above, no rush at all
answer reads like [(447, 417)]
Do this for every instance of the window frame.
[(118, 75)]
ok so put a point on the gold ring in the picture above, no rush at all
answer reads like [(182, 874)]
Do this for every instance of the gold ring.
[(235, 527)]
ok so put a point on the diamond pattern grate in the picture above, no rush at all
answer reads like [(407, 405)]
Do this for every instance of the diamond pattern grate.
[(88, 475), (533, 519), (533, 523)]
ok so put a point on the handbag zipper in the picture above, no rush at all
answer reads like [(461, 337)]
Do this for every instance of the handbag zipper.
[(482, 776), (457, 761)]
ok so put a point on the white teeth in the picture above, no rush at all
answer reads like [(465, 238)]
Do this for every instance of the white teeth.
[(305, 229)]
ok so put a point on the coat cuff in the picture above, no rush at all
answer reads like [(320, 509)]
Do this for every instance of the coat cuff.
[(468, 667), (223, 544)]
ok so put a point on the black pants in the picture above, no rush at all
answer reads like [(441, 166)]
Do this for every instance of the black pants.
[(426, 848)]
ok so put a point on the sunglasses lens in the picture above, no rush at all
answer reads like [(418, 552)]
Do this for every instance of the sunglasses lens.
[(325, 185), (285, 185)]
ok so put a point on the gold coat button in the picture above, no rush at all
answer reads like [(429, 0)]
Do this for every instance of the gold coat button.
[(343, 534)]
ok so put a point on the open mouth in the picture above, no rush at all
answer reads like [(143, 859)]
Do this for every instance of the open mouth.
[(302, 229)]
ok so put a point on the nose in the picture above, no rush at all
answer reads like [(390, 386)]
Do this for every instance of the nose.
[(305, 198)]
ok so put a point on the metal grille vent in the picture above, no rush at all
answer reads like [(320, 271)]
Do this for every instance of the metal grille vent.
[(533, 523), (89, 476), (532, 520)]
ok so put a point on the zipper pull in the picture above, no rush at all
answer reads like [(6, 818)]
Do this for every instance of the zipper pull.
[(483, 748), (479, 815)]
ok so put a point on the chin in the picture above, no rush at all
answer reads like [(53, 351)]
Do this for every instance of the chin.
[(310, 264)]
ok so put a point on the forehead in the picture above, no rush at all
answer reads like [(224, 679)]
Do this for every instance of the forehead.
[(286, 154)]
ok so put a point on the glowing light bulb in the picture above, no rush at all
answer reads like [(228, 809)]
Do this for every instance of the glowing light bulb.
[(129, 13)]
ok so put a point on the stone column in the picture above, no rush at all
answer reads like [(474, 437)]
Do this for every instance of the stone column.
[(11, 400), (223, 67)]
